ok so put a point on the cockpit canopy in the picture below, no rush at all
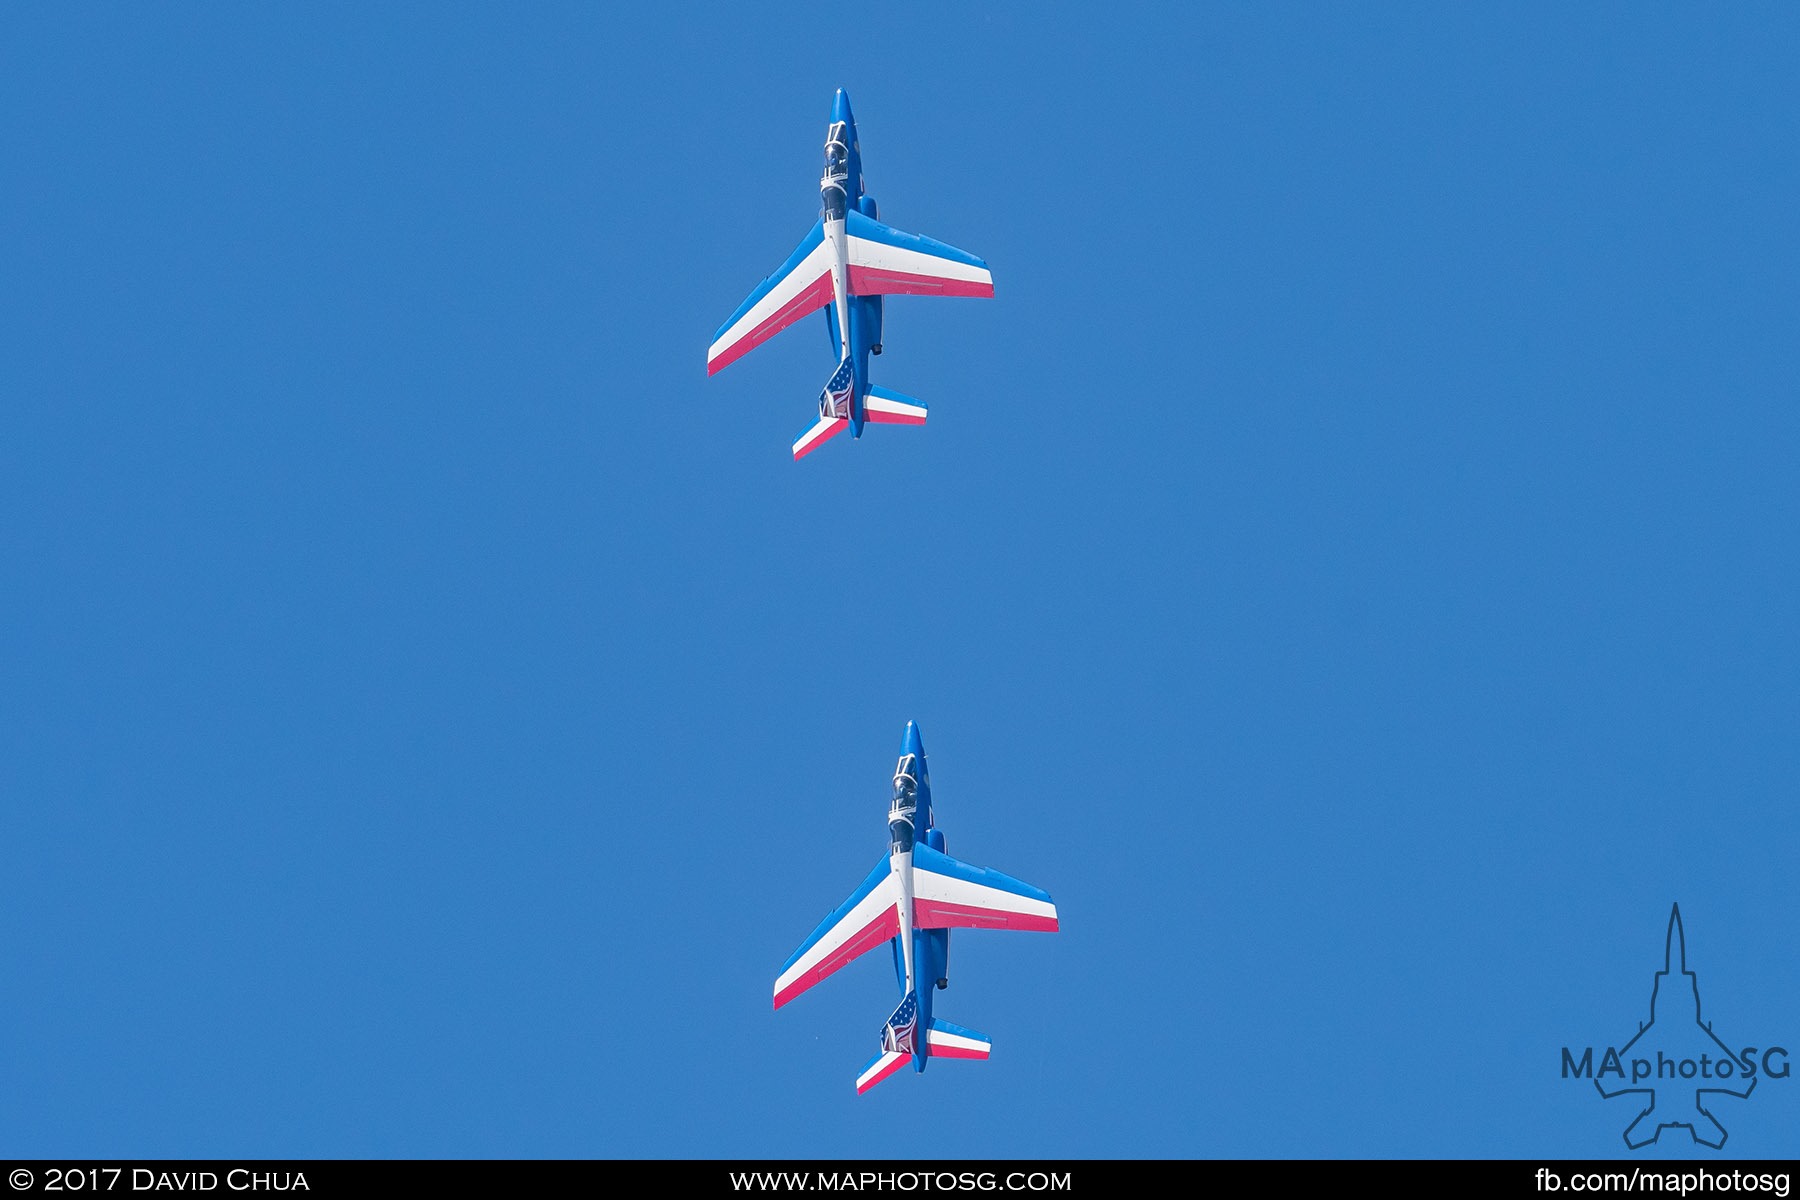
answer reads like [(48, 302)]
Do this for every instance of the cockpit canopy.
[(837, 149), (837, 166), (903, 809)]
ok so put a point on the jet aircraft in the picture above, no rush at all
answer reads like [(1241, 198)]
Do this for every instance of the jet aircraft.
[(912, 900), (1676, 1033), (846, 263)]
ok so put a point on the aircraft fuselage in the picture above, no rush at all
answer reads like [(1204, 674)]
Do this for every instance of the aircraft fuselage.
[(921, 959), (852, 321)]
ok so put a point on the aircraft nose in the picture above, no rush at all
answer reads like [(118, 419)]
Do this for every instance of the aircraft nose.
[(840, 107), (910, 742)]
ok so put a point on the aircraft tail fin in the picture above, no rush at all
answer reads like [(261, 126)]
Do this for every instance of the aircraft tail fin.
[(942, 1040), (882, 407), (899, 1042), (835, 401), (901, 1030)]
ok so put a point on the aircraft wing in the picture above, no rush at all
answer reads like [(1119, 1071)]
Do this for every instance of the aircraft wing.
[(948, 894), (884, 261), (801, 285), (868, 918)]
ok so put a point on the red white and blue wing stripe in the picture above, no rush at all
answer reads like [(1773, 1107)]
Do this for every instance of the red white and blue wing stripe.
[(953, 1041), (817, 434), (949, 894), (879, 1068), (802, 285), (882, 407), (868, 918), (884, 261)]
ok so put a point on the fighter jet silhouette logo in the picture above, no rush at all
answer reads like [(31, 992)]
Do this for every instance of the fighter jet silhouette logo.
[(1679, 1039)]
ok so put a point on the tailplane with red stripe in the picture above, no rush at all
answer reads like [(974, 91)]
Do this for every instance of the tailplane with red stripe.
[(942, 1040), (882, 407)]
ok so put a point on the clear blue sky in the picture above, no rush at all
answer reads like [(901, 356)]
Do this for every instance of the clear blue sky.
[(1351, 565)]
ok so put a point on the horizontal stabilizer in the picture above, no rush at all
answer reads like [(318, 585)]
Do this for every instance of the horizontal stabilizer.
[(880, 1067), (950, 894), (821, 431), (884, 261), (882, 407), (953, 1041)]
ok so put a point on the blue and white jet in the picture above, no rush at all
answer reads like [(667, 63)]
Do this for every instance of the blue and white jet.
[(912, 900), (848, 261)]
